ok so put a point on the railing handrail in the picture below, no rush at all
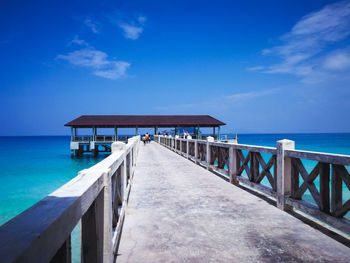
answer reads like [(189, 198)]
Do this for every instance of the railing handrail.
[(319, 156), (40, 231), (331, 158)]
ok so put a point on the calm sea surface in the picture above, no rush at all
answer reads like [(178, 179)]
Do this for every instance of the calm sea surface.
[(33, 167)]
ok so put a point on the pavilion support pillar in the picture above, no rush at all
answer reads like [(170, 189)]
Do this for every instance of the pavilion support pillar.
[(214, 132), (218, 132), (95, 151), (115, 133), (155, 130), (137, 131), (80, 151), (71, 134)]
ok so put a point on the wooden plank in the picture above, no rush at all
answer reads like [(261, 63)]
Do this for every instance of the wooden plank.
[(309, 178), (275, 173), (295, 179), (266, 169), (308, 181), (254, 167), (337, 192), (92, 232), (117, 195), (320, 157), (343, 210), (260, 187), (253, 148), (213, 154), (220, 144), (343, 173), (64, 254), (342, 224), (244, 163), (324, 187)]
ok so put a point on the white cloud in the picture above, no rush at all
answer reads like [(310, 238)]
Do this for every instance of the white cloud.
[(98, 61), (303, 49), (76, 40), (256, 68), (92, 25), (337, 60), (130, 31), (142, 19), (252, 94), (115, 70)]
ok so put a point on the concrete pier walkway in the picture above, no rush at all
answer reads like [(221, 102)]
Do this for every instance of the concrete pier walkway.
[(180, 212)]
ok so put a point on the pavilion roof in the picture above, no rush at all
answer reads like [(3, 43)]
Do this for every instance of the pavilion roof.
[(130, 121)]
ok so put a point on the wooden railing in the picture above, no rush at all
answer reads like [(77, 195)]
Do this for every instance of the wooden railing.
[(282, 170), (97, 138), (97, 198)]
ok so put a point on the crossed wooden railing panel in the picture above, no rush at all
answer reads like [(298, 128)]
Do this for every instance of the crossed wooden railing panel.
[(191, 148), (219, 157), (330, 176), (202, 151), (184, 146), (251, 164)]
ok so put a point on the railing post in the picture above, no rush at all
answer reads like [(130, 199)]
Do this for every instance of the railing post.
[(284, 173), (180, 141), (196, 151), (188, 146), (209, 139), (187, 149), (233, 165), (175, 142)]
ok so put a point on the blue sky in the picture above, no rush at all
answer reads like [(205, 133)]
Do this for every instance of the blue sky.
[(259, 66)]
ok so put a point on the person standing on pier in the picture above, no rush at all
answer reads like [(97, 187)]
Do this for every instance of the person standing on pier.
[(144, 139)]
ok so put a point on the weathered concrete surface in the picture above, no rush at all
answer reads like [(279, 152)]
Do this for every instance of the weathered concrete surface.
[(180, 212)]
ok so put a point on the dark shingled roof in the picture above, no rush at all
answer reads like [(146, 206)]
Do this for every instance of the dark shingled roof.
[(129, 121)]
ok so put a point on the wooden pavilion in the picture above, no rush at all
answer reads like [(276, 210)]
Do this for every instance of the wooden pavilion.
[(94, 122)]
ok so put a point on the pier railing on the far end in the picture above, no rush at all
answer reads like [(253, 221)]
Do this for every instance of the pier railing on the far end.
[(282, 170), (97, 198)]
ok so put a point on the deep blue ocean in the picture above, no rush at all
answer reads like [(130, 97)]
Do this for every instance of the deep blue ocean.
[(33, 167)]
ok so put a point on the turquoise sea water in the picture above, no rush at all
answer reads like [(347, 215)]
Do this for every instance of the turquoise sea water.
[(33, 167)]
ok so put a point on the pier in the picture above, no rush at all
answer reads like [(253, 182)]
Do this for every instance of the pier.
[(181, 200)]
